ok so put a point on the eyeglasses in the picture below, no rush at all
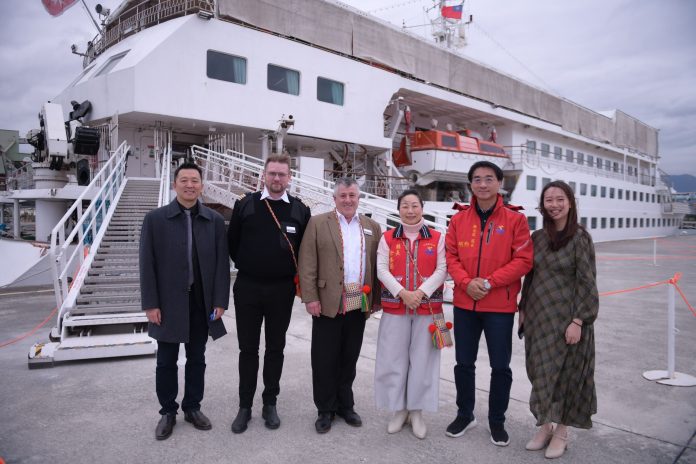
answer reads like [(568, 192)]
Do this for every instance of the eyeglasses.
[(483, 180), (280, 175)]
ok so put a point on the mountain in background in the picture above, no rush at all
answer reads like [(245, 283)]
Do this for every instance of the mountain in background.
[(683, 183)]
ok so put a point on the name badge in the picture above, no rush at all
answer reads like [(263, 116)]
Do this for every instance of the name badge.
[(290, 229), (368, 232)]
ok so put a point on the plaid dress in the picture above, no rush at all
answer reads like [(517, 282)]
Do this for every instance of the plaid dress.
[(562, 286)]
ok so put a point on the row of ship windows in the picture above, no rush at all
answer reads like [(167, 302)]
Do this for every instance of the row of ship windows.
[(613, 192), (231, 68), (580, 158), (615, 223)]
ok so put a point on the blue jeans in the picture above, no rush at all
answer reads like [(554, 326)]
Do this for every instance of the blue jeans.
[(497, 327)]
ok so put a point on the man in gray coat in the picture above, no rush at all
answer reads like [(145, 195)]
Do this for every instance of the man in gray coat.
[(185, 289)]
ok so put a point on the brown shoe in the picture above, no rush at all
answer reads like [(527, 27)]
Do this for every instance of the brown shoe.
[(165, 426)]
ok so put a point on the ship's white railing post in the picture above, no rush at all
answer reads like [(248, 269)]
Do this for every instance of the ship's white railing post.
[(670, 377), (165, 177), (87, 231)]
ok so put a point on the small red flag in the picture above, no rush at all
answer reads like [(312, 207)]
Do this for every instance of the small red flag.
[(57, 7), (452, 12)]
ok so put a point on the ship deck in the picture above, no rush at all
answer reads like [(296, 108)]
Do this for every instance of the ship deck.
[(105, 411)]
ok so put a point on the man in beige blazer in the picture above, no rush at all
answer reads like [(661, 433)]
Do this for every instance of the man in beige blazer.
[(338, 255)]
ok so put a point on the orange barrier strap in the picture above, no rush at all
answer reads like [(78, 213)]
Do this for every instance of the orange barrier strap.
[(674, 280), (21, 337)]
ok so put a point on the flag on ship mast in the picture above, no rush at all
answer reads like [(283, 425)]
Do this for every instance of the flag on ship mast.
[(452, 12), (57, 7)]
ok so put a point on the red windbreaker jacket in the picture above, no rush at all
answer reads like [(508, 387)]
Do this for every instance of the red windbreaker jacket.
[(501, 252)]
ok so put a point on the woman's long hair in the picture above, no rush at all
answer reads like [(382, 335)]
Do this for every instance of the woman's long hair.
[(560, 238)]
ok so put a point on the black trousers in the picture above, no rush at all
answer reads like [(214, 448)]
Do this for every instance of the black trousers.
[(336, 347), (270, 303), (166, 378)]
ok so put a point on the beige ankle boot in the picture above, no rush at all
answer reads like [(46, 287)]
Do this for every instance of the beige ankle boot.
[(397, 421), (417, 424), (557, 446), (541, 438)]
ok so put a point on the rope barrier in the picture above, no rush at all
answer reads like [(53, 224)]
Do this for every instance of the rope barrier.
[(21, 337), (674, 280)]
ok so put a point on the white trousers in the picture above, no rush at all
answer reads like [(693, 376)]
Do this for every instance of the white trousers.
[(407, 370)]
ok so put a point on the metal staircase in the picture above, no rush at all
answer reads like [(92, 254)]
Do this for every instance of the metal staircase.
[(95, 267)]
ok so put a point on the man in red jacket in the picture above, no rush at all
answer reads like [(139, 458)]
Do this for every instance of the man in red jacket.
[(488, 251)]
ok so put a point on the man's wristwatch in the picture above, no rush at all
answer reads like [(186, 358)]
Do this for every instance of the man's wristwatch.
[(486, 284)]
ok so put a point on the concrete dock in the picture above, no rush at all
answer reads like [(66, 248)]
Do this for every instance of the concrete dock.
[(105, 411)]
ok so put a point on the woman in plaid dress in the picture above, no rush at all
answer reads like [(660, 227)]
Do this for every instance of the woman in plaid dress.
[(558, 307)]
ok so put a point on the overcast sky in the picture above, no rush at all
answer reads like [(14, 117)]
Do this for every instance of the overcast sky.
[(638, 56)]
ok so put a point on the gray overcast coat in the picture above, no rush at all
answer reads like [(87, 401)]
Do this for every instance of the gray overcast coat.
[(164, 269)]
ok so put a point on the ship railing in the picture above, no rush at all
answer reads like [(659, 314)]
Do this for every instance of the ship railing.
[(165, 167), (139, 17), (381, 186), (76, 237), (20, 178), (238, 173)]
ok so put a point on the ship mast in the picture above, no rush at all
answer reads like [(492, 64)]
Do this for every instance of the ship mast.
[(449, 31)]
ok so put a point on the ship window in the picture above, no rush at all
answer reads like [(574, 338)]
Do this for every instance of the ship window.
[(635, 222), (329, 91), (557, 153), (628, 223), (490, 148), (545, 149), (604, 223), (583, 189), (620, 223), (590, 160), (611, 223), (531, 182), (616, 166), (580, 158), (653, 222), (531, 220), (572, 186), (611, 192), (450, 141), (641, 196), (226, 67), (659, 199), (607, 165), (620, 194), (110, 64), (634, 195), (641, 222), (283, 80), (593, 190), (594, 223), (653, 197), (583, 221), (603, 192), (544, 181), (600, 163), (569, 156), (531, 146)]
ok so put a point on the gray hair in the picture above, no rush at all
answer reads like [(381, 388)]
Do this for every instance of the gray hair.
[(345, 182)]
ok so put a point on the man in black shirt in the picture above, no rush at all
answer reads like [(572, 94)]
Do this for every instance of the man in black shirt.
[(264, 237)]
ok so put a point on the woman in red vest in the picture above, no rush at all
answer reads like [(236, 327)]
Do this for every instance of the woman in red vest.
[(412, 268)]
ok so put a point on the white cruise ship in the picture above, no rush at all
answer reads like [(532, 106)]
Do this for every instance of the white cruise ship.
[(231, 81)]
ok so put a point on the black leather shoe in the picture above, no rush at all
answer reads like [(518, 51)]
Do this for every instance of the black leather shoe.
[(351, 417), (198, 419), (323, 423), (270, 415), (165, 426), (240, 422)]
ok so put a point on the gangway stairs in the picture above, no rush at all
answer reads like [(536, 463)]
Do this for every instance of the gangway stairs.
[(95, 267)]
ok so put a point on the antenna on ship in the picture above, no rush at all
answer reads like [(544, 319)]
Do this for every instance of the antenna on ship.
[(448, 28)]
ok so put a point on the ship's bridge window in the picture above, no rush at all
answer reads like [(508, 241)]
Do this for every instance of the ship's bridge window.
[(110, 64), (283, 80), (545, 150), (224, 67), (82, 74), (329, 91)]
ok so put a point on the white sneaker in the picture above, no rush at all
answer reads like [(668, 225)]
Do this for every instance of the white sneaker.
[(397, 421), (417, 424)]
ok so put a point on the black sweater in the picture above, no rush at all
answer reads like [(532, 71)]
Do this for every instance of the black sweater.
[(256, 245)]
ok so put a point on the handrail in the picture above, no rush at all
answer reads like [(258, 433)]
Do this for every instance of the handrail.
[(238, 170), (165, 189), (87, 231)]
